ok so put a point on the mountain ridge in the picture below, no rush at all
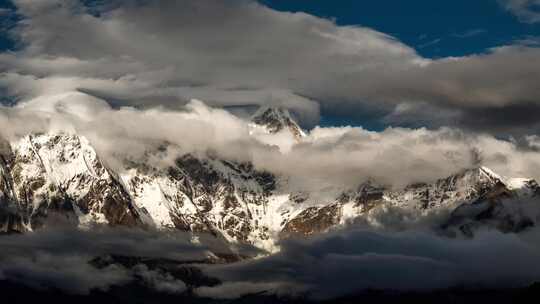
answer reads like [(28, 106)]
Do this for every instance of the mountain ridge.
[(62, 174)]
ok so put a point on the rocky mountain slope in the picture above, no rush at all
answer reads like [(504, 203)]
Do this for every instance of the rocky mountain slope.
[(51, 178), (274, 120)]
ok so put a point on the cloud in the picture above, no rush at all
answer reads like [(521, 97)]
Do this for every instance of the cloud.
[(352, 261), (337, 264), (70, 274), (241, 53), (526, 10), (160, 281), (327, 160), (63, 258), (430, 43), (4, 11), (470, 33), (235, 290), (226, 54), (458, 89)]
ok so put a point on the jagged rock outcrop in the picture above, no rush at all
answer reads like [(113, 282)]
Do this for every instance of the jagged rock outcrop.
[(275, 119), (313, 220)]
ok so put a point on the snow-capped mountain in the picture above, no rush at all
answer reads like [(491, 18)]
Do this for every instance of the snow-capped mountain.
[(274, 120), (471, 198), (61, 174), (50, 177)]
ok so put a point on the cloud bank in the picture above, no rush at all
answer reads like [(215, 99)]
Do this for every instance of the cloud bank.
[(353, 261), (63, 258), (342, 263), (340, 157), (242, 53)]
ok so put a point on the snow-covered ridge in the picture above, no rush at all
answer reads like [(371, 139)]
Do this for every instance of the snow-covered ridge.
[(61, 174), (525, 186)]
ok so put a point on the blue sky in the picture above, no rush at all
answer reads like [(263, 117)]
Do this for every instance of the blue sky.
[(434, 28), (6, 20)]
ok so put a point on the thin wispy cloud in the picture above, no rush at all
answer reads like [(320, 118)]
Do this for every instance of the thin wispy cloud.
[(470, 33), (430, 43), (525, 10)]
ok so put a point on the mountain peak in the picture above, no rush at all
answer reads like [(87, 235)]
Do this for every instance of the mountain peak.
[(525, 186), (276, 119)]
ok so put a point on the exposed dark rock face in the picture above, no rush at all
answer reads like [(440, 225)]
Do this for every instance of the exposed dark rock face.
[(313, 220), (11, 220), (276, 120), (110, 199)]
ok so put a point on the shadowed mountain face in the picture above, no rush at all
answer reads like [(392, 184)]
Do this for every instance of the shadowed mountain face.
[(277, 120), (47, 178)]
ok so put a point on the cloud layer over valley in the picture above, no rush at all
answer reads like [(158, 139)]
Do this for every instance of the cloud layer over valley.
[(337, 264)]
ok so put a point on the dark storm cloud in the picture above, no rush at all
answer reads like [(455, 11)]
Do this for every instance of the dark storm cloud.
[(60, 258), (340, 263), (473, 92), (352, 261), (505, 121), (519, 118)]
